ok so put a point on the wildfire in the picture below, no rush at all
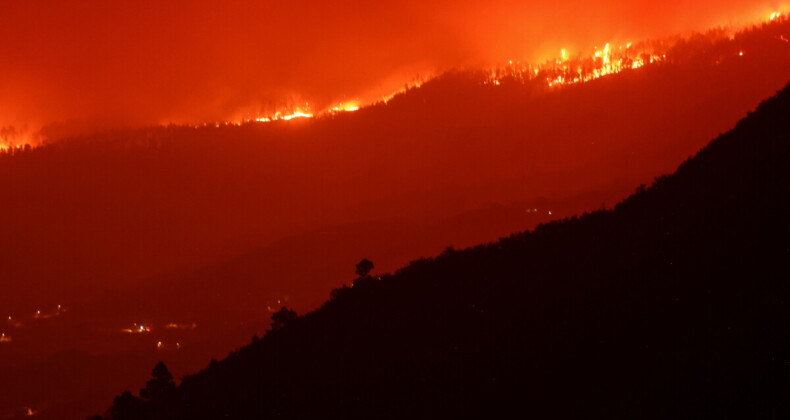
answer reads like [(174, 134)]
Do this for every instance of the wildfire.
[(566, 70), (306, 113), (345, 107), (278, 116), (5, 338), (10, 148)]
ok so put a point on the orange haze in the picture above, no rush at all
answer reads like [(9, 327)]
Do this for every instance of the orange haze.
[(88, 65), (176, 243)]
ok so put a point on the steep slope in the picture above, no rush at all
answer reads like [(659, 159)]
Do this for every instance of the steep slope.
[(673, 304)]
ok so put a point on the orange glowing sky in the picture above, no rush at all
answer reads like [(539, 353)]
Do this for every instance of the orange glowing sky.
[(95, 64)]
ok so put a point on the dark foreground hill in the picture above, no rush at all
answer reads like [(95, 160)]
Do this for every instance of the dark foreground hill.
[(676, 303)]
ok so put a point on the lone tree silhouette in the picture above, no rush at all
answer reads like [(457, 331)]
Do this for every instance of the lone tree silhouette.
[(160, 385), (364, 267), (282, 318)]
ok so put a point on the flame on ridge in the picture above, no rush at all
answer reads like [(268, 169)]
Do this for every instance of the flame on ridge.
[(567, 70), (562, 71)]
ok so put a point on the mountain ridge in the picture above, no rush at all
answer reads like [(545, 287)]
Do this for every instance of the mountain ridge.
[(672, 303)]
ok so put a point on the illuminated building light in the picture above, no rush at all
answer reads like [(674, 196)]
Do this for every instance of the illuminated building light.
[(173, 325), (14, 323), (137, 329)]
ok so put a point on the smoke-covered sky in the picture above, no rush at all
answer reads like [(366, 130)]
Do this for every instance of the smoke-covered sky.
[(109, 63)]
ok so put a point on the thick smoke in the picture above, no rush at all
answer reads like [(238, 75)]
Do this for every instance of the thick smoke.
[(92, 64)]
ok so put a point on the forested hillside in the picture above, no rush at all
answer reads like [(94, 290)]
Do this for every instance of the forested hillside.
[(672, 304)]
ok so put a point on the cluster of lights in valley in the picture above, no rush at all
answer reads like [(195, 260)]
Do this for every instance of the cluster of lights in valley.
[(16, 323)]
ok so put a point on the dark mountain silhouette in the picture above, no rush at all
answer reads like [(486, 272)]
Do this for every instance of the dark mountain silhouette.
[(673, 304)]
